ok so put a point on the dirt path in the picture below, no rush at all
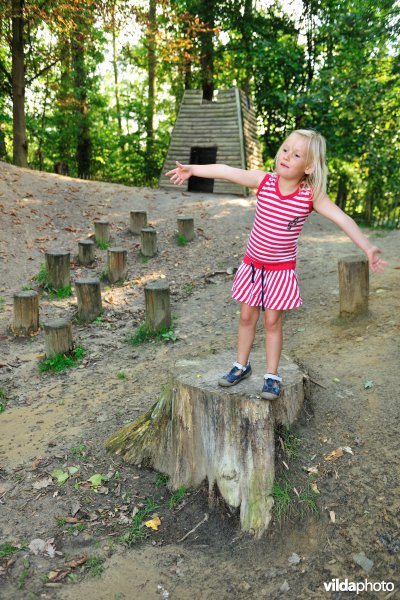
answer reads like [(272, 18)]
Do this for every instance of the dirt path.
[(61, 421)]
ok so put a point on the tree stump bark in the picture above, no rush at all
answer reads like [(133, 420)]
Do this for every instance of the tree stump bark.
[(186, 227), (201, 432), (157, 303), (102, 231), (58, 268), (138, 221), (58, 337), (26, 313), (86, 252), (117, 264), (148, 244), (353, 285), (89, 299)]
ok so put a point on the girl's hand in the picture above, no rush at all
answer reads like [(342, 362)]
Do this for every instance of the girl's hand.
[(375, 261), (180, 174)]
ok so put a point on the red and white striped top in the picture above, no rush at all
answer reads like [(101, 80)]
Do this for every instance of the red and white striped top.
[(278, 222)]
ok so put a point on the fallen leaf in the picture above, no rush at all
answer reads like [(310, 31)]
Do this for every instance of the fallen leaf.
[(54, 576), (71, 520), (332, 516), (336, 380), (153, 523), (348, 450), (334, 455), (368, 385), (96, 480), (77, 562), (60, 475), (69, 228), (312, 470), (42, 483), (314, 487)]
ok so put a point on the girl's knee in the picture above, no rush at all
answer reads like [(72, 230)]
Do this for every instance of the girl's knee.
[(272, 319), (249, 315)]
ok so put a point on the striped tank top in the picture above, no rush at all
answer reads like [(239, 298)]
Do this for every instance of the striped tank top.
[(278, 222)]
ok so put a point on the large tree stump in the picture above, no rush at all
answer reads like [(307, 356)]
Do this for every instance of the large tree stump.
[(102, 231), (157, 303), (186, 227), (89, 298), (58, 268), (58, 337), (137, 221), (148, 241), (201, 432), (117, 264), (353, 285), (86, 252), (26, 313)]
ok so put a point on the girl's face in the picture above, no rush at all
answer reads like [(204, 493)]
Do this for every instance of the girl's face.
[(292, 159)]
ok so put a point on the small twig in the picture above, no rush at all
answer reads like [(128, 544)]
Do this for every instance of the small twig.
[(316, 382), (194, 529)]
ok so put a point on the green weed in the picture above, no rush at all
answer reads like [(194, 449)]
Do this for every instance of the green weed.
[(76, 529), (42, 278), (102, 244), (137, 532), (7, 549), (181, 239), (78, 451), (283, 500), (61, 293), (162, 479), (2, 303), (24, 574), (145, 333), (61, 521), (103, 275), (26, 287), (3, 400), (60, 362), (95, 564), (121, 375), (177, 496), (188, 289), (290, 443), (144, 259)]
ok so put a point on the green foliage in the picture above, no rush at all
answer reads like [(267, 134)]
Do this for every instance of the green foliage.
[(145, 333), (7, 549), (42, 278), (181, 240), (137, 532), (60, 362), (103, 245), (162, 479), (61, 293), (3, 400), (177, 497)]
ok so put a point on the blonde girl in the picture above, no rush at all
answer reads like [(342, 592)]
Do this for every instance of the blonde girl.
[(266, 279)]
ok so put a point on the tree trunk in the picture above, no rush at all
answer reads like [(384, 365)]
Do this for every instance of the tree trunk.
[(83, 143), (207, 49), (151, 69), (200, 432), (115, 69), (20, 144)]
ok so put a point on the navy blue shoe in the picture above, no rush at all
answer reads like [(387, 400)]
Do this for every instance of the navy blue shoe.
[(235, 375), (272, 387)]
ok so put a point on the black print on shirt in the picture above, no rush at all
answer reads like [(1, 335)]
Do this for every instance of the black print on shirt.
[(293, 223)]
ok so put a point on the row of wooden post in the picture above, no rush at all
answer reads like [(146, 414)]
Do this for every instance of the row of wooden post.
[(58, 332)]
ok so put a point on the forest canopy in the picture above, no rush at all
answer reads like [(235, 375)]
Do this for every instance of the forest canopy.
[(92, 88)]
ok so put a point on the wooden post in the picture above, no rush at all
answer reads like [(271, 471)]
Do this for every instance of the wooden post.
[(117, 264), (26, 313), (157, 302), (186, 227), (138, 220), (58, 268), (148, 241), (89, 298), (353, 285), (102, 231), (201, 432), (86, 252), (58, 337)]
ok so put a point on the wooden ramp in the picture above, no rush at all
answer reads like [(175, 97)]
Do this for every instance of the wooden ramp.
[(201, 432)]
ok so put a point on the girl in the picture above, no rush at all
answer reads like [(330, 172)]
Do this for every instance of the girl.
[(267, 277)]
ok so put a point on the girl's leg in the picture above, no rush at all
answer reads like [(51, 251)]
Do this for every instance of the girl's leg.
[(273, 339), (247, 330)]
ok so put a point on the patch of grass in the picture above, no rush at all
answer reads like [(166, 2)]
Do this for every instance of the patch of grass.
[(42, 278), (3, 400), (162, 479), (181, 240), (177, 496), (61, 521), (145, 333), (78, 451), (188, 289), (60, 362), (7, 549), (2, 303), (283, 500), (24, 574), (144, 259), (121, 375), (103, 275), (26, 287), (137, 531), (102, 244), (307, 500), (60, 294), (290, 443), (76, 529), (95, 565)]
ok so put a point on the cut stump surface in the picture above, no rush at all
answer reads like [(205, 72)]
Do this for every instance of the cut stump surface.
[(201, 432)]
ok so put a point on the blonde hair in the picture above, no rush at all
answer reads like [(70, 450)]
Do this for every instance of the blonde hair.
[(316, 158)]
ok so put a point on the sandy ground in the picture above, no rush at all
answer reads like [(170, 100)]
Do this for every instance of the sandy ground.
[(62, 421)]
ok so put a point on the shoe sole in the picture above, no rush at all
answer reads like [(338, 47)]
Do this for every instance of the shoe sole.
[(224, 383), (269, 396)]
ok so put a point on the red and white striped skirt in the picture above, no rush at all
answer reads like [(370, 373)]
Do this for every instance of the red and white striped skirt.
[(274, 289)]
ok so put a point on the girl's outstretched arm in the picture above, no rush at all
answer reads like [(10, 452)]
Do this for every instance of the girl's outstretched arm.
[(331, 211), (251, 178)]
